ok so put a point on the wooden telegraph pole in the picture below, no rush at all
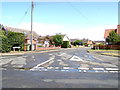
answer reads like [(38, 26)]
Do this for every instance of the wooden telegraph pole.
[(32, 6)]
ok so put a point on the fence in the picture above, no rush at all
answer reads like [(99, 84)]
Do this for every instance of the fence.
[(114, 47)]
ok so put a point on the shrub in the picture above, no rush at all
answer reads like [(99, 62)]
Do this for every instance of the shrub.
[(65, 44), (7, 41), (5, 45)]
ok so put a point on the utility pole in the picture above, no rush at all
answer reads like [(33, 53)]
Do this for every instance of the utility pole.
[(32, 6)]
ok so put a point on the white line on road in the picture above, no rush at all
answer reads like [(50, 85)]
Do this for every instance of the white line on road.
[(84, 68), (98, 68), (112, 69), (44, 62)]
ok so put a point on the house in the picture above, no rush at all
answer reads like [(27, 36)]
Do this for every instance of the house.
[(47, 41), (87, 42), (73, 40), (66, 42), (27, 43), (99, 42), (107, 31), (65, 38)]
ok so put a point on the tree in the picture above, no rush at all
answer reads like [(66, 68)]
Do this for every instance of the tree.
[(58, 40), (113, 38)]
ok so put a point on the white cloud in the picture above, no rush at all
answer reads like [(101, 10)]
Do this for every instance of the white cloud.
[(92, 33)]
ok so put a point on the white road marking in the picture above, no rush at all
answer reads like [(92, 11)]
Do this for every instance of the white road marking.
[(112, 69), (66, 67), (50, 67), (84, 71), (75, 58), (44, 62), (98, 68), (84, 68)]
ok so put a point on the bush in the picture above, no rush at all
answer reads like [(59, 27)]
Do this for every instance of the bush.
[(58, 40), (65, 44), (4, 43), (11, 39)]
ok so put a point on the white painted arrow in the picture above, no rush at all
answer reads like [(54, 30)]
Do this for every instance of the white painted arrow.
[(76, 58)]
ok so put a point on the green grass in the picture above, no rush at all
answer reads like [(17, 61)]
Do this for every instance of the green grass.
[(102, 50), (116, 54)]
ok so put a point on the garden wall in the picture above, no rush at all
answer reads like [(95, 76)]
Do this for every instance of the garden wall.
[(114, 47)]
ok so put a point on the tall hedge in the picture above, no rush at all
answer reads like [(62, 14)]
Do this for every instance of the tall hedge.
[(5, 45), (65, 44), (10, 39), (58, 40)]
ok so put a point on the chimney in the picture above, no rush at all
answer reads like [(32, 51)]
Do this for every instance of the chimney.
[(118, 29)]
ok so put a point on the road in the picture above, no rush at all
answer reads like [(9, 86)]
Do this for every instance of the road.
[(63, 68)]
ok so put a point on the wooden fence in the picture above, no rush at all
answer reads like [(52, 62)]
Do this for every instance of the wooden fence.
[(114, 47)]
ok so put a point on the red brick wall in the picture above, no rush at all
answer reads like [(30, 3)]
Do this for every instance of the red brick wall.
[(47, 48), (114, 47), (118, 29)]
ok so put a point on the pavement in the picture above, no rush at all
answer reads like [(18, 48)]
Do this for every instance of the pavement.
[(25, 52)]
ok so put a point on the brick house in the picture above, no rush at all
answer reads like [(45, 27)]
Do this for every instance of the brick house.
[(107, 31), (87, 42), (48, 40), (27, 42)]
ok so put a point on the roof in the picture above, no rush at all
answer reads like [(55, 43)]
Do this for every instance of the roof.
[(107, 31), (28, 33), (99, 41), (72, 40), (65, 38)]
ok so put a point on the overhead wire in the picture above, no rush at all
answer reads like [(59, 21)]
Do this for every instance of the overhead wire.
[(78, 11), (23, 16)]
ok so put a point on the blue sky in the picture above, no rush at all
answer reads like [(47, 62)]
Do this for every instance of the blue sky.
[(76, 19)]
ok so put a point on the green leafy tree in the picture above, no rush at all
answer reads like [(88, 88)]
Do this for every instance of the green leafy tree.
[(58, 40), (113, 38)]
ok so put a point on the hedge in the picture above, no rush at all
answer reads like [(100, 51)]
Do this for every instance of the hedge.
[(65, 44), (10, 39)]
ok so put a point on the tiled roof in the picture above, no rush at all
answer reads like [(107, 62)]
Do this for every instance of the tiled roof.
[(72, 40), (28, 33), (107, 31)]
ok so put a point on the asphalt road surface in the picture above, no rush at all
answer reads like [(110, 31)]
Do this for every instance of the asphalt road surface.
[(63, 68)]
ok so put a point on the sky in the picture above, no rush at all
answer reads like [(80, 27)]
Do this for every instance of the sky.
[(75, 19)]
